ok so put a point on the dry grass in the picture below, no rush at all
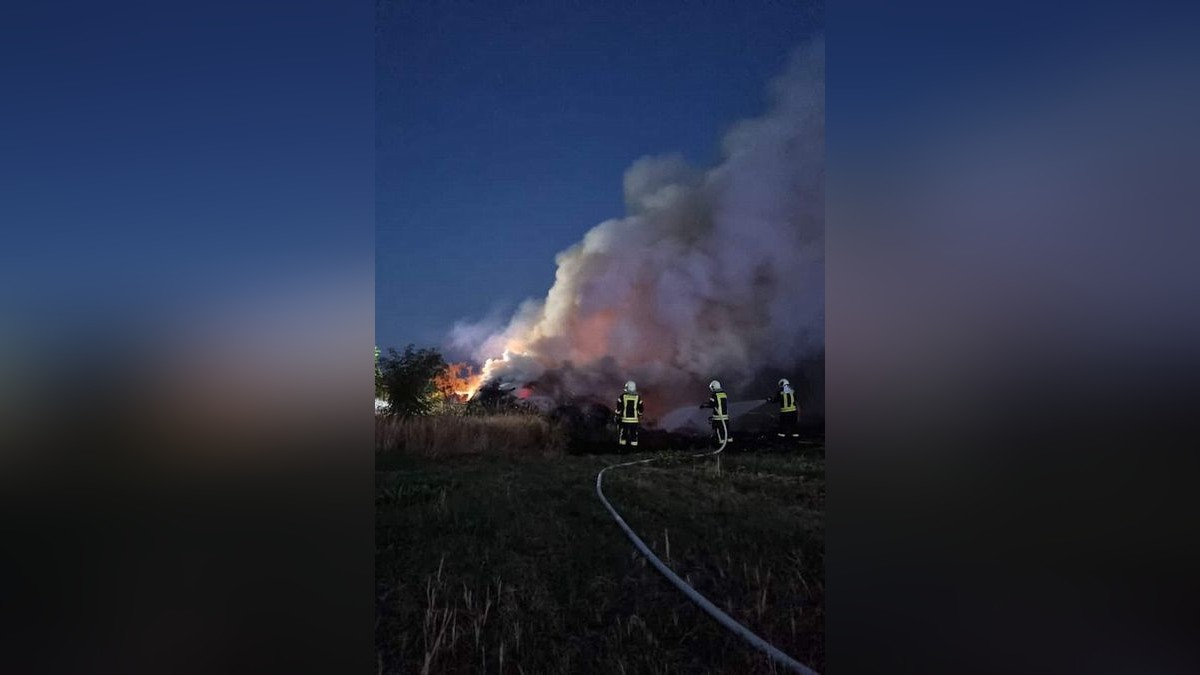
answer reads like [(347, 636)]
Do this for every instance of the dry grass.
[(437, 436), (455, 625)]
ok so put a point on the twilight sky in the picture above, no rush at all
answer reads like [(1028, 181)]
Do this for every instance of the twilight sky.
[(503, 133)]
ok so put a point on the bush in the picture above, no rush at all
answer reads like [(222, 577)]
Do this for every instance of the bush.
[(435, 436), (407, 380)]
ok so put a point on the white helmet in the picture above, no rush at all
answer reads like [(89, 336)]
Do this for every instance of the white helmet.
[(714, 385), (784, 383), (630, 387)]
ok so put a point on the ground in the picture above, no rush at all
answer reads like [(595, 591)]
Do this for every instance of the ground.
[(502, 565)]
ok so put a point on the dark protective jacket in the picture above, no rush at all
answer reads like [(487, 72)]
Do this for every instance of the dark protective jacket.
[(719, 402), (786, 398), (630, 408)]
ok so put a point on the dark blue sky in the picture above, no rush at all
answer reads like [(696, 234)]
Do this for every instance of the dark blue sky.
[(503, 131), (153, 154)]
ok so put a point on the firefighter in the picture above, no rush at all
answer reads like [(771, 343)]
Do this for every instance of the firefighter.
[(789, 414), (719, 402), (629, 414)]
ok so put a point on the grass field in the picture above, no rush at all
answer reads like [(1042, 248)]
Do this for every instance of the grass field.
[(487, 564)]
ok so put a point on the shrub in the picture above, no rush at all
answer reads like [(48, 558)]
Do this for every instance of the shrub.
[(407, 380)]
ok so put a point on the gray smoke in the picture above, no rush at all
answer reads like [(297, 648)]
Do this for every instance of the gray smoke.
[(711, 274)]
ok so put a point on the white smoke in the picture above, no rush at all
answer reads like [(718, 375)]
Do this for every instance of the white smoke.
[(711, 274)]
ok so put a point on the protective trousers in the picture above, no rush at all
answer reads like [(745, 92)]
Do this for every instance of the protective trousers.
[(628, 433), (788, 423), (720, 431)]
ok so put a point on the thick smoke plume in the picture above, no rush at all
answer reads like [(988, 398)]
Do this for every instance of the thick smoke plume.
[(711, 274)]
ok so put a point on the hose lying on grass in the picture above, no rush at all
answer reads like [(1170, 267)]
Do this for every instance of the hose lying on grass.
[(713, 611)]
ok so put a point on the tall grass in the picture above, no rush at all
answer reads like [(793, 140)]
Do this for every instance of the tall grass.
[(436, 436)]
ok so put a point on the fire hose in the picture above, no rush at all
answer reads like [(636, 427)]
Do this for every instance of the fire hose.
[(691, 593)]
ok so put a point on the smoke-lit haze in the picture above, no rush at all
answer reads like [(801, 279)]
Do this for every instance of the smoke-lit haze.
[(713, 273)]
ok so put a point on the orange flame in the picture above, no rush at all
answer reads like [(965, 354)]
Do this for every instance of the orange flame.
[(459, 381)]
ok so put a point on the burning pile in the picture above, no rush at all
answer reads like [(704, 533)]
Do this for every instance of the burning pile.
[(711, 274)]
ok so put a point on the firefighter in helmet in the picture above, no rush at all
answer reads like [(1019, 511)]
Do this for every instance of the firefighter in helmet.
[(629, 414), (789, 413), (718, 401)]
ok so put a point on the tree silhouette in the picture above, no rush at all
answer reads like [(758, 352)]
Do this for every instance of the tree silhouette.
[(407, 379)]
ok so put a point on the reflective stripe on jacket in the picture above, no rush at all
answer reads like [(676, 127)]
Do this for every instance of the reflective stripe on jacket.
[(719, 406), (630, 407), (787, 400)]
